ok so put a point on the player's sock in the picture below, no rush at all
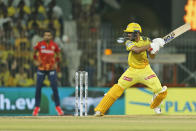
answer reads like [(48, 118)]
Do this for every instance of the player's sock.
[(36, 111), (113, 94), (159, 98), (59, 111)]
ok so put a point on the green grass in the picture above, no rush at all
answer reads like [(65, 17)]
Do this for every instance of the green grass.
[(106, 123)]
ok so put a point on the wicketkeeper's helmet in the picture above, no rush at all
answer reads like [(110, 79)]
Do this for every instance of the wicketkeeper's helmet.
[(133, 27)]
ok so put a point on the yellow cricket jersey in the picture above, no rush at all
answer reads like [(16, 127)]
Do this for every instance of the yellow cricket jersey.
[(138, 61)]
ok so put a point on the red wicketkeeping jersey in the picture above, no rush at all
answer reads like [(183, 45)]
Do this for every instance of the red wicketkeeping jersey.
[(46, 54)]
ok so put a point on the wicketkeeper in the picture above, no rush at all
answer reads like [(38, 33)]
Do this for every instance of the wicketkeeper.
[(46, 56), (139, 70)]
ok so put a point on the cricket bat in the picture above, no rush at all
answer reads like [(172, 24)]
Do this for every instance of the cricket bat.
[(169, 37), (177, 32)]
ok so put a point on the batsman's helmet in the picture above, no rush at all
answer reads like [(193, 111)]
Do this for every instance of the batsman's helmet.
[(133, 27)]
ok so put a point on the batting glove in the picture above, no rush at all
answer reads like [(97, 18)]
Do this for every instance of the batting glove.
[(154, 47), (159, 41)]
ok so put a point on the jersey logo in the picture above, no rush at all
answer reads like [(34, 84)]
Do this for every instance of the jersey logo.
[(149, 77), (128, 44), (40, 73), (52, 72), (127, 78), (47, 51), (43, 47)]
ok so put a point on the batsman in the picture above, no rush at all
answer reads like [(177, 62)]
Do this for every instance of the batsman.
[(139, 71)]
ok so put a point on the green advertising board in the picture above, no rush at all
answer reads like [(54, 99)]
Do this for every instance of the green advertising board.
[(21, 101)]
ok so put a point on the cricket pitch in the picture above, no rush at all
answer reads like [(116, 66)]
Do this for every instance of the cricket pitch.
[(105, 123)]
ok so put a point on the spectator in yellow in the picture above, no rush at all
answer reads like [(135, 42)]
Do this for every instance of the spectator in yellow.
[(22, 46), (33, 23), (11, 10), (6, 51), (38, 5), (23, 7), (22, 78), (53, 23), (6, 79)]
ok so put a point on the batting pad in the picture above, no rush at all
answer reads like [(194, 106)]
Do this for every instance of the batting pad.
[(113, 94), (158, 99)]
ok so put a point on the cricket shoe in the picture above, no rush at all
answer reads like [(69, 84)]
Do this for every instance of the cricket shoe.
[(157, 110), (59, 111), (36, 111), (98, 113)]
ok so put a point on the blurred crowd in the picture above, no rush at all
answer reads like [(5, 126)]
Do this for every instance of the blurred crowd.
[(21, 26)]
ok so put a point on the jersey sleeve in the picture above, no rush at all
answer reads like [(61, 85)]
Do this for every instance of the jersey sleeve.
[(57, 49), (149, 40), (36, 47), (129, 44)]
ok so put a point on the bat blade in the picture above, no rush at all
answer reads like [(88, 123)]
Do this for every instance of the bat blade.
[(177, 32)]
